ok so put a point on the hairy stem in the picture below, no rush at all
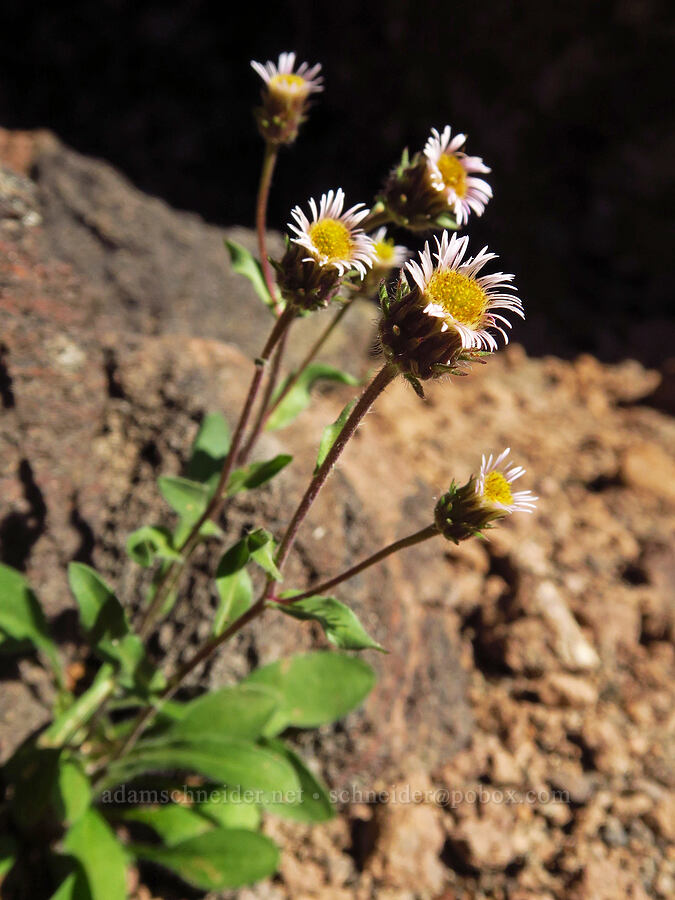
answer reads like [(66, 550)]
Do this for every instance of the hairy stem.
[(214, 506), (311, 354), (423, 535), (386, 374), (263, 411), (269, 162)]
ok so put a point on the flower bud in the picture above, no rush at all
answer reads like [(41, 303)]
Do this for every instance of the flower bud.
[(445, 318), (303, 282), (285, 97), (465, 511), (438, 188)]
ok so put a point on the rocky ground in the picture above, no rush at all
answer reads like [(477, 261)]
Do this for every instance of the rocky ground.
[(528, 694)]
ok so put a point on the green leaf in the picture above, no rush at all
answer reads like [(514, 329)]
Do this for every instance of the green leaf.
[(230, 761), (298, 398), (244, 263), (188, 498), (72, 792), (209, 450), (331, 432), (256, 474), (262, 548), (93, 844), (229, 810), (8, 849), (105, 624), (314, 804), (316, 688), (236, 596), (338, 621), (172, 822), (22, 619), (73, 887), (241, 711), (150, 542), (218, 859), (232, 581)]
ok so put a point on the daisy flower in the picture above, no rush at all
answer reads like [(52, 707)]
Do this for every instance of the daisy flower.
[(450, 171), (493, 485), (388, 255), (281, 78), (463, 300), (333, 237)]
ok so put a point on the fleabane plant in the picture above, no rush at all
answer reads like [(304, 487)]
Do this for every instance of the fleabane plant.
[(82, 800)]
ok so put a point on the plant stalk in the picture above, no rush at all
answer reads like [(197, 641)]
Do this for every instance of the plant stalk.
[(423, 535), (386, 374), (269, 162), (214, 506), (311, 354)]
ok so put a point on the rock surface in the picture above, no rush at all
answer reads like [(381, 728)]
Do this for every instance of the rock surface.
[(528, 693)]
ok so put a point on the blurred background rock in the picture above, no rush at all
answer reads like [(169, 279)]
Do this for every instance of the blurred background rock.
[(569, 104)]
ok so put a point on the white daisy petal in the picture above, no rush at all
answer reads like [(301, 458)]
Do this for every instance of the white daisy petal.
[(450, 172), (493, 485), (281, 77), (333, 236)]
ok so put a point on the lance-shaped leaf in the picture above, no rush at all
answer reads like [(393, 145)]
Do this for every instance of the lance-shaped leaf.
[(244, 263), (188, 498), (149, 543), (94, 845), (172, 823), (232, 580), (105, 624), (72, 791), (230, 761), (331, 432), (256, 474), (241, 711), (209, 450), (315, 688), (22, 618), (339, 622), (298, 397), (229, 809), (313, 803), (216, 860)]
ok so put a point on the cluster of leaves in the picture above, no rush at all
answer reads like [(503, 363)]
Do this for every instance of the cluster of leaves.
[(68, 794)]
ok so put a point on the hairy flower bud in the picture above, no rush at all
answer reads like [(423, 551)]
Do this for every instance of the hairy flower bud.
[(465, 511), (412, 201), (415, 341), (460, 513), (303, 282), (446, 287)]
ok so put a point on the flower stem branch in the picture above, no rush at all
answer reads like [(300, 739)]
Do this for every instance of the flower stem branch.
[(311, 354), (264, 410), (214, 506), (423, 535), (386, 374)]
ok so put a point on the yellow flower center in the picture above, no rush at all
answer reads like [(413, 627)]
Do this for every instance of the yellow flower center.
[(331, 238), (385, 252), (460, 296), (453, 173), (288, 84), (497, 489)]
